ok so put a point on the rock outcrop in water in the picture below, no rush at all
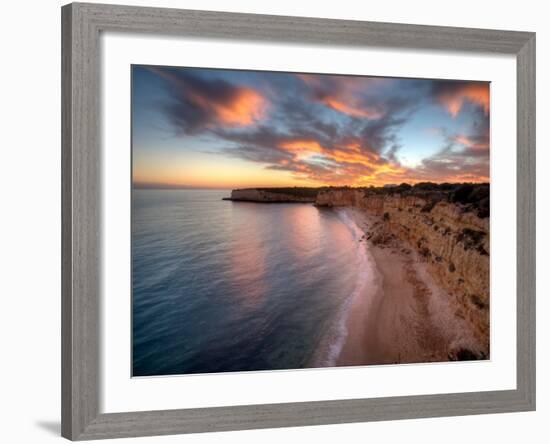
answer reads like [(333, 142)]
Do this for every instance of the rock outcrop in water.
[(447, 225), (275, 195)]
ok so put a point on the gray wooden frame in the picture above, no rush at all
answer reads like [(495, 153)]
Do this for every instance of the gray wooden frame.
[(81, 26)]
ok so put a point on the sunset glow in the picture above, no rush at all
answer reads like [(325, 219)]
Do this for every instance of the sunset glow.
[(206, 128), (474, 92)]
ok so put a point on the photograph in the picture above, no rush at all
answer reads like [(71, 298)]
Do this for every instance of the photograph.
[(287, 220)]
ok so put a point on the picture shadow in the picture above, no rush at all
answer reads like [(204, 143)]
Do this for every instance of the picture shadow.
[(53, 427)]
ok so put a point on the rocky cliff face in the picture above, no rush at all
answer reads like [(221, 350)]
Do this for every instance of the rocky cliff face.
[(268, 196), (451, 238)]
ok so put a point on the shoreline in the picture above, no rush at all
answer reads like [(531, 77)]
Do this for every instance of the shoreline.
[(407, 319)]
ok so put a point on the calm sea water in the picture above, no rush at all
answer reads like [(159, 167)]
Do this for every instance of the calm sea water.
[(223, 286)]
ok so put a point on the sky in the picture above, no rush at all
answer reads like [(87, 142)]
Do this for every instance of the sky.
[(212, 128)]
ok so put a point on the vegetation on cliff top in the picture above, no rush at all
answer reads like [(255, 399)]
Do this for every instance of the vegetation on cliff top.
[(471, 196), (295, 191)]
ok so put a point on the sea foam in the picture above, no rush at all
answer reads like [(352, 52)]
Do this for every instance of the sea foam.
[(367, 284)]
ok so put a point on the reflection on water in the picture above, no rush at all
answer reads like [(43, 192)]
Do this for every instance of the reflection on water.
[(248, 252), (303, 232), (232, 286)]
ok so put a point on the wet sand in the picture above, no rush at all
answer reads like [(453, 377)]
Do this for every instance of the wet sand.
[(393, 324)]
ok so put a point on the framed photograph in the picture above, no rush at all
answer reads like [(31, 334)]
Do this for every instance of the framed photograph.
[(279, 221)]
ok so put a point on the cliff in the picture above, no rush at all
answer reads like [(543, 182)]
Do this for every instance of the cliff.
[(449, 233), (275, 195)]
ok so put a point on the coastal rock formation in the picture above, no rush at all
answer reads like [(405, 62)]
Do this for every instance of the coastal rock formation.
[(451, 238), (275, 195)]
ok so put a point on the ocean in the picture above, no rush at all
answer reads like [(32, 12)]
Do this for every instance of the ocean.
[(221, 286)]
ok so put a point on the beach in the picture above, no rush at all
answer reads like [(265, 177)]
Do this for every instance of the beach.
[(396, 321)]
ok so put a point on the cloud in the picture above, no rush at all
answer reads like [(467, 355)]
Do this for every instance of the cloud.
[(452, 95), (473, 145), (197, 103), (453, 166), (476, 142), (382, 133), (344, 94), (464, 158)]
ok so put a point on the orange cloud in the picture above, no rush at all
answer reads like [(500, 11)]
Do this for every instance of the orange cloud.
[(302, 148), (472, 144), (351, 165), (201, 103), (453, 99), (245, 107), (351, 109), (365, 159)]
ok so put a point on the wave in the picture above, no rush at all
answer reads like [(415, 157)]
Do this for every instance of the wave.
[(367, 276)]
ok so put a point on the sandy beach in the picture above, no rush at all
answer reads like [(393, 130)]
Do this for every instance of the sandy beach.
[(395, 324)]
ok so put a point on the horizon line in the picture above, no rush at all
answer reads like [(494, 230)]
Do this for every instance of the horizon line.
[(161, 186)]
